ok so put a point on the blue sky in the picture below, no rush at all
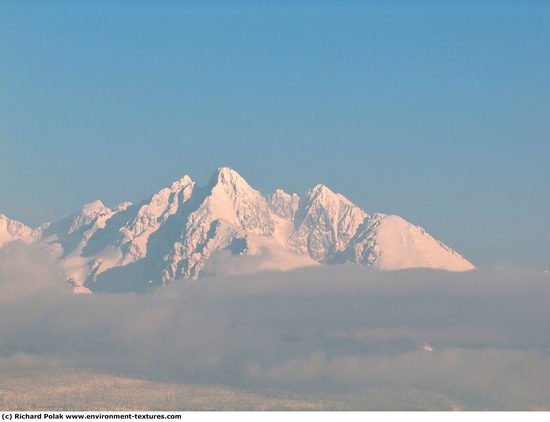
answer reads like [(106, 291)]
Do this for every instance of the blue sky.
[(436, 111)]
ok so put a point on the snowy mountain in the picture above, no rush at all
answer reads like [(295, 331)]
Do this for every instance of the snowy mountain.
[(324, 224), (14, 230), (226, 227), (391, 243)]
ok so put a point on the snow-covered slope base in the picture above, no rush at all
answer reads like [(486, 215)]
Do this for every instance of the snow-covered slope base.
[(226, 227)]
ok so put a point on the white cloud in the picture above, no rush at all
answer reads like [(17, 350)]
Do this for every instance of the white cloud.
[(331, 329)]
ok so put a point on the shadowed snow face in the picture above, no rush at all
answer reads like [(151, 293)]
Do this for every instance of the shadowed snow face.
[(478, 338)]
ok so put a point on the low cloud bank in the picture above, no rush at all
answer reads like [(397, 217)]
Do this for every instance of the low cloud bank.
[(330, 330)]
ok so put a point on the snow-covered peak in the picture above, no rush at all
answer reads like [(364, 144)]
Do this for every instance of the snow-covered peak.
[(228, 175), (227, 172), (325, 223), (230, 182), (151, 215), (86, 216), (322, 201), (5, 218), (229, 208), (391, 243), (283, 204), (231, 199), (123, 206), (323, 193), (405, 245), (13, 230), (93, 208), (181, 183), (183, 186), (319, 189)]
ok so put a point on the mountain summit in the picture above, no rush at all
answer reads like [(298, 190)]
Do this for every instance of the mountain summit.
[(226, 227)]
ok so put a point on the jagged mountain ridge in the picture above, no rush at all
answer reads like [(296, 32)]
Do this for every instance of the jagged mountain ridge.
[(185, 231), (11, 230)]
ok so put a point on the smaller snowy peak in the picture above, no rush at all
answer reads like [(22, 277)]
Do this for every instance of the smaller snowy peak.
[(14, 230), (89, 213), (93, 208), (322, 194), (233, 200), (123, 206), (118, 237), (151, 215), (181, 183), (69, 236), (230, 181), (283, 204), (325, 222), (397, 244), (162, 204), (319, 190)]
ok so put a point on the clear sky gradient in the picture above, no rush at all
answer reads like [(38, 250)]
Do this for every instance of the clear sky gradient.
[(438, 111)]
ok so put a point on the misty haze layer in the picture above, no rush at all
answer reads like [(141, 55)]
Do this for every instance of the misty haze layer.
[(477, 339)]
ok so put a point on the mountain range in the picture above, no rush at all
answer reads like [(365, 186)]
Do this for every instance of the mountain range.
[(226, 227)]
